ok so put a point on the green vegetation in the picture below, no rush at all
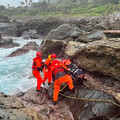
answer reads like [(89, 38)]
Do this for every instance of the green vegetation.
[(62, 8)]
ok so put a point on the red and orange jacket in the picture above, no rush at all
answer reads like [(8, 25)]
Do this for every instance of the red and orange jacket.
[(57, 70), (37, 64)]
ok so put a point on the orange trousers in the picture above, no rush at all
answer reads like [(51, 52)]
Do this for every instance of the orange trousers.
[(39, 79), (47, 75), (58, 82)]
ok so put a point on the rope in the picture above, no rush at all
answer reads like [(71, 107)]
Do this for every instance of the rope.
[(63, 87), (88, 99)]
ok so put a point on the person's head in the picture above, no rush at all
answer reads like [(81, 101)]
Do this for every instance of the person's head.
[(38, 54), (66, 62), (53, 56)]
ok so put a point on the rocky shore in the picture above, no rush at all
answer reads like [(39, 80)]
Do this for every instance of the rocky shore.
[(84, 42)]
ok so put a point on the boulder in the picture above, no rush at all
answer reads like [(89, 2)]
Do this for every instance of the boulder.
[(101, 56), (76, 32), (43, 25), (31, 34), (52, 46), (91, 36), (64, 31), (25, 49), (8, 43), (8, 29), (13, 109)]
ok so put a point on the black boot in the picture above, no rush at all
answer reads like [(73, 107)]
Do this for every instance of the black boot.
[(55, 102), (73, 90)]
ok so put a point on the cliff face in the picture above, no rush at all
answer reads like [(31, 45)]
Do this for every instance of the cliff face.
[(101, 56)]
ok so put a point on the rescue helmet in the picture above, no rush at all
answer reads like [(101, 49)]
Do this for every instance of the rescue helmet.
[(66, 62), (38, 54), (53, 56)]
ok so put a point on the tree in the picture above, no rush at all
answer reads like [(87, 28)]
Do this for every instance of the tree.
[(2, 8), (8, 5), (22, 3)]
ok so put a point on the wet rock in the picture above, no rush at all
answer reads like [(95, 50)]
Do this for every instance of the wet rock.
[(8, 43), (25, 49), (31, 34), (8, 29), (52, 46)]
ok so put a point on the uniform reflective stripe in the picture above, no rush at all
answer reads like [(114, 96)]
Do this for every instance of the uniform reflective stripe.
[(75, 71)]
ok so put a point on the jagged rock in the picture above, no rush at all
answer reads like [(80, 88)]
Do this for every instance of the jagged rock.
[(31, 46), (88, 110), (76, 32), (45, 107), (52, 46), (101, 56), (43, 25), (72, 47), (64, 31), (8, 43), (31, 34), (25, 49), (117, 86), (8, 29), (13, 109), (92, 36)]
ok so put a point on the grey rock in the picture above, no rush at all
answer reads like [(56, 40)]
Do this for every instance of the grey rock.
[(8, 29), (25, 49), (8, 43)]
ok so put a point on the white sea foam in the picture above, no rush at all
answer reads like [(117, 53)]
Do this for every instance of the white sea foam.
[(14, 71)]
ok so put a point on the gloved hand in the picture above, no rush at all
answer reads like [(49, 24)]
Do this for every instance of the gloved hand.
[(48, 83), (40, 69)]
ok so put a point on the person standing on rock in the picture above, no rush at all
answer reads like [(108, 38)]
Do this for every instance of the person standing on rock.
[(36, 68), (47, 71), (59, 77)]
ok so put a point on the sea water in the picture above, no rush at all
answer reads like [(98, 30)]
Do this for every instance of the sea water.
[(15, 71)]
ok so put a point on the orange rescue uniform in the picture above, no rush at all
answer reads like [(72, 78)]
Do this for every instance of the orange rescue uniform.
[(47, 71), (59, 77), (37, 63)]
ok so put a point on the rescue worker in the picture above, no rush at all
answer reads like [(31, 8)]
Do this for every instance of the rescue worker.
[(47, 71), (59, 77), (36, 68), (74, 70)]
